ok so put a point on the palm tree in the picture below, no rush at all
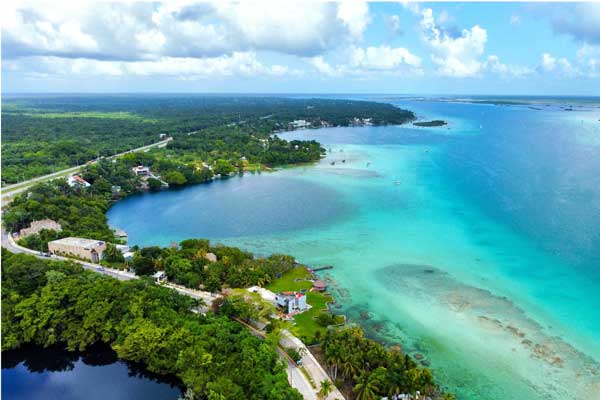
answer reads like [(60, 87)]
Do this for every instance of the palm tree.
[(326, 388), (350, 365), (334, 358), (366, 387)]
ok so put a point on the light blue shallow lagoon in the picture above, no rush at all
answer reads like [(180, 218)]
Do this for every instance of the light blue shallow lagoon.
[(476, 245)]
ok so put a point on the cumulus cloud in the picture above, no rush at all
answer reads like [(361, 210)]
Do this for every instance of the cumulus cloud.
[(454, 56), (365, 62), (143, 31), (507, 71), (586, 64)]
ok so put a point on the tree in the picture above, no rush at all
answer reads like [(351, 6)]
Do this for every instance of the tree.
[(326, 388), (113, 254), (154, 184), (368, 384), (175, 178), (143, 265)]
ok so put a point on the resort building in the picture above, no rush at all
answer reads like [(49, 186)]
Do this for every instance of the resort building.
[(37, 226), (85, 249), (76, 180), (212, 257), (299, 123), (291, 302), (140, 170)]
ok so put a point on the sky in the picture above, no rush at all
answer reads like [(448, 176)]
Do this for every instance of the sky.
[(301, 47)]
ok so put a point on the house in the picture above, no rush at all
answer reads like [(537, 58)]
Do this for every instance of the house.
[(140, 170), (300, 123), (85, 249), (212, 257), (160, 276), (37, 226), (76, 180), (122, 248), (128, 255), (162, 136), (319, 285), (291, 302)]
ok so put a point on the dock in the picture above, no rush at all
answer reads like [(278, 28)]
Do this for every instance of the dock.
[(321, 268)]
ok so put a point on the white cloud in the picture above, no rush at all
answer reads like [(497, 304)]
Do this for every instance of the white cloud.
[(392, 23), (585, 64), (126, 31), (581, 21), (383, 58), (453, 56), (355, 16), (507, 71), (236, 64), (548, 62), (369, 62)]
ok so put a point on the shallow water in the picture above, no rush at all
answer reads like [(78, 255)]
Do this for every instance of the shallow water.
[(476, 244)]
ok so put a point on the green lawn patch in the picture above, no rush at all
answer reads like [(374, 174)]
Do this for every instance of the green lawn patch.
[(305, 326)]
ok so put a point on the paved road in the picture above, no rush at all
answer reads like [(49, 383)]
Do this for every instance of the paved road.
[(295, 376), (310, 363), (11, 190), (9, 243)]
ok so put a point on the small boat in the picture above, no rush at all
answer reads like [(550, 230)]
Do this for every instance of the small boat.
[(368, 163), (343, 161), (333, 163), (397, 182)]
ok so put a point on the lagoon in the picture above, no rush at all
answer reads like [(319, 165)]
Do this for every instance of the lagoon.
[(475, 244), (54, 373)]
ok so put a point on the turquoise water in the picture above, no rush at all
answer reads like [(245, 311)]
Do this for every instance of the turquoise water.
[(476, 244)]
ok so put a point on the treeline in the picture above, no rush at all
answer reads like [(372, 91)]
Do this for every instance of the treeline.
[(45, 134), (48, 303), (373, 371), (193, 264)]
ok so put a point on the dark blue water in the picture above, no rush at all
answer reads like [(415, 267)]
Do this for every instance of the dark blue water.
[(34, 374), (227, 208)]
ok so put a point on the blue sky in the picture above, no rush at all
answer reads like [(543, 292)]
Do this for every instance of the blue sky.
[(295, 47)]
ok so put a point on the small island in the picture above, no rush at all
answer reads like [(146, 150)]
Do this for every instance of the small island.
[(436, 122)]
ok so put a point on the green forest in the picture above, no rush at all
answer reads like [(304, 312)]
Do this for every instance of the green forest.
[(42, 135), (188, 265), (213, 356)]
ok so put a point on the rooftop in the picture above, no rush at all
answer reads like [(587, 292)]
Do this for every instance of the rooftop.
[(79, 242)]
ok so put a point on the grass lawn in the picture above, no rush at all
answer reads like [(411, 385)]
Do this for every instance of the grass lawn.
[(305, 324)]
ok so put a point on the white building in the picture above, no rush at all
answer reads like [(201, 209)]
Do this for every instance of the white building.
[(291, 302), (76, 180), (140, 170)]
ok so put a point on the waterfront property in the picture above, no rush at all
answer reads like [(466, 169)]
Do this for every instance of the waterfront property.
[(85, 249), (291, 302), (140, 170), (76, 180), (319, 285), (37, 226)]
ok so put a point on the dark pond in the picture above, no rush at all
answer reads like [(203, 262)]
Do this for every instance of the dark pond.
[(33, 373)]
